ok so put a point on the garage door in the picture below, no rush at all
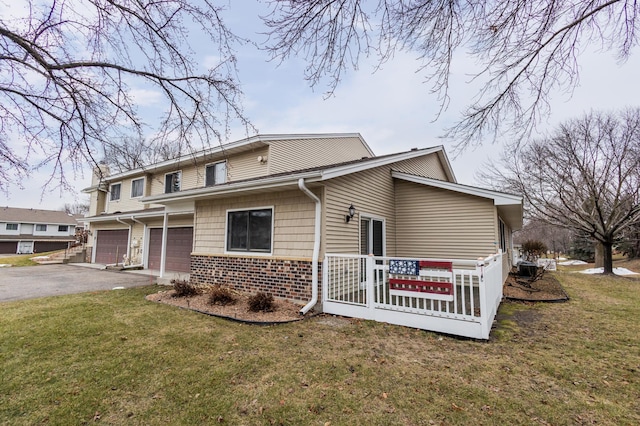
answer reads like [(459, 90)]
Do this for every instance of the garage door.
[(179, 244), (43, 246), (111, 245), (7, 247)]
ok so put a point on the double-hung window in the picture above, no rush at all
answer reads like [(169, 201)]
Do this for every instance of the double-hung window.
[(63, 228), (114, 190), (137, 187), (216, 173), (172, 182), (12, 227), (250, 230), (41, 228)]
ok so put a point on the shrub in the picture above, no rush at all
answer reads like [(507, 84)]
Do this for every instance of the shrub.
[(533, 249), (261, 302), (184, 288), (221, 296)]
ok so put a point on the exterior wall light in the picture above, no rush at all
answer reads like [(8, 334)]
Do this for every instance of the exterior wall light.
[(352, 211)]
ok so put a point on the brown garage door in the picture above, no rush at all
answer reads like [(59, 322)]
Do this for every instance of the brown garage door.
[(111, 245), (7, 247), (179, 244), (43, 246)]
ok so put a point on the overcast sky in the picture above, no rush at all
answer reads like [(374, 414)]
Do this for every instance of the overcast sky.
[(392, 108)]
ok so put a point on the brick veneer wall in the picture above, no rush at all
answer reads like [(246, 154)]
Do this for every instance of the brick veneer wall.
[(288, 279)]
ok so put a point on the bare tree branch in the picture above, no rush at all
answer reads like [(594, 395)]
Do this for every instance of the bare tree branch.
[(527, 50), (69, 69), (585, 177)]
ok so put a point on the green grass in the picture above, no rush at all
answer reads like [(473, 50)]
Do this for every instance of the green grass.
[(114, 358), (22, 259)]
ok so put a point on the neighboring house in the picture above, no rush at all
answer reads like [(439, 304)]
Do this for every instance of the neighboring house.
[(259, 213), (35, 231)]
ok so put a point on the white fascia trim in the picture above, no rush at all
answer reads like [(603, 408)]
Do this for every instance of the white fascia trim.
[(499, 198), (131, 216), (93, 189), (443, 155), (334, 172)]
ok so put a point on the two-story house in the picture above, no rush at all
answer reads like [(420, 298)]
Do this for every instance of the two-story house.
[(35, 231), (262, 212)]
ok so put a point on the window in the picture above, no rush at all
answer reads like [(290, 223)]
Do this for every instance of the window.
[(172, 182), (114, 190), (502, 236), (137, 187), (249, 230), (63, 228), (12, 226), (41, 228), (216, 173)]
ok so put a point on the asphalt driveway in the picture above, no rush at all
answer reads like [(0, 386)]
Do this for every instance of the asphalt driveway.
[(53, 280)]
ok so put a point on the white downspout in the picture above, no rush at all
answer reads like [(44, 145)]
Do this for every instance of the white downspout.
[(316, 247), (163, 249), (128, 238)]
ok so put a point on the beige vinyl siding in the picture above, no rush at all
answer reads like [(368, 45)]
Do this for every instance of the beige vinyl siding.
[(192, 177), (173, 222), (370, 192), (438, 223), (137, 235), (293, 215), (246, 166), (97, 202), (125, 203), (426, 166), (289, 155), (189, 179)]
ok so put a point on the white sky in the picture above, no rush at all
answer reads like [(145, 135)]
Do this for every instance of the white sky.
[(392, 109)]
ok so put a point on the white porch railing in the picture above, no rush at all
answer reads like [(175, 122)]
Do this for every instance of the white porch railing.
[(358, 286)]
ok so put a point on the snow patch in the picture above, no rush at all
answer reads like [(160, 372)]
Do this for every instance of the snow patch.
[(572, 262), (617, 271)]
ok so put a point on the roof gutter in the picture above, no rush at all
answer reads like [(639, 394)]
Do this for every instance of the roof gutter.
[(316, 248)]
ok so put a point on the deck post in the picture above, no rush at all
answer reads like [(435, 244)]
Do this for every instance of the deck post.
[(369, 263), (482, 293)]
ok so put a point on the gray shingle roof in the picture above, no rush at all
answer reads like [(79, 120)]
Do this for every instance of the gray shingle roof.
[(56, 217)]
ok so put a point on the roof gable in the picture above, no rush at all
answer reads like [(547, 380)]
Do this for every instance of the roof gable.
[(20, 215), (509, 206)]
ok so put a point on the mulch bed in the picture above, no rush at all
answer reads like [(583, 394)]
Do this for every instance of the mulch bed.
[(284, 311), (545, 289)]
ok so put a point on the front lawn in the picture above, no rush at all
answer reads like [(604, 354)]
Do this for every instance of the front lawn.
[(22, 259), (114, 358)]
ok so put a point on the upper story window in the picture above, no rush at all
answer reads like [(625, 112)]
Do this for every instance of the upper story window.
[(41, 228), (216, 173), (63, 228), (12, 227), (172, 182), (250, 230), (137, 188), (114, 190)]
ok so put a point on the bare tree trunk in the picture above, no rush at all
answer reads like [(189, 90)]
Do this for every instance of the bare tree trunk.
[(599, 254), (607, 257)]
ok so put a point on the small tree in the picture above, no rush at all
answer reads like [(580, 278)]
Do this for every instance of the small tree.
[(585, 177), (533, 249)]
